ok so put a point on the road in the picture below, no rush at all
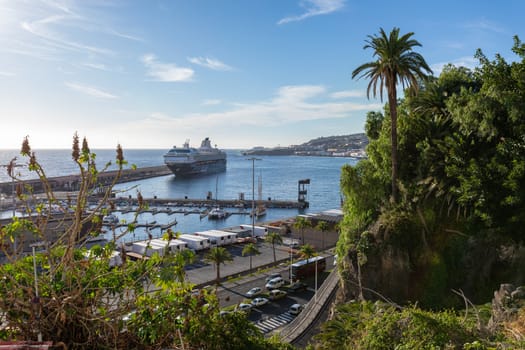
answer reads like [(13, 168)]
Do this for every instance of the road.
[(233, 291)]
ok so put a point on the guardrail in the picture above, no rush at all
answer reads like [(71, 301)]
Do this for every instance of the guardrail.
[(295, 329)]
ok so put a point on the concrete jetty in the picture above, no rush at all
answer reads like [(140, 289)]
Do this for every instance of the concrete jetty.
[(72, 182)]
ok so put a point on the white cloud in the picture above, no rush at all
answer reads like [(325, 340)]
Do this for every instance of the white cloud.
[(315, 8), (485, 25), (125, 36), (43, 29), (467, 61), (211, 102), (348, 94), (89, 90), (291, 104), (98, 66), (210, 63), (167, 72)]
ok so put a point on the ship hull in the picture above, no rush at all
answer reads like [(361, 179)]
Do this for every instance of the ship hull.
[(197, 168)]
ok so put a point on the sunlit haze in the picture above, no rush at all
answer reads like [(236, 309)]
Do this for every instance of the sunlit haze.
[(151, 74)]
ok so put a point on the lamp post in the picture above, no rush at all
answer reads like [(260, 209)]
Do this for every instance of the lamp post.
[(37, 298), (291, 261), (315, 293), (253, 159)]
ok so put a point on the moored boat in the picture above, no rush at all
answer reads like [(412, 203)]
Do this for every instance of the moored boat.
[(188, 161)]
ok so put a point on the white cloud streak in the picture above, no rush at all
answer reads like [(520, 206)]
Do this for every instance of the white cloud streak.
[(348, 94), (89, 90), (211, 102), (291, 104), (485, 25), (37, 29), (97, 66), (210, 63), (468, 62), (166, 72), (314, 8)]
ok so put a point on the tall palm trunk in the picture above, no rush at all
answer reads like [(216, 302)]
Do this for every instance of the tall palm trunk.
[(274, 257), (392, 102), (218, 273)]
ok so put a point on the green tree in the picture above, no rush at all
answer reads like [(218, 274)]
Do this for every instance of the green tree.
[(218, 256), (301, 223), (396, 62), (373, 125), (77, 288), (307, 251), (274, 238), (323, 227), (250, 249)]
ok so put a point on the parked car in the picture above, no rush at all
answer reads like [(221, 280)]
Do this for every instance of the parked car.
[(272, 276), (297, 287), (276, 294), (245, 307), (254, 292), (296, 309), (275, 283), (259, 301)]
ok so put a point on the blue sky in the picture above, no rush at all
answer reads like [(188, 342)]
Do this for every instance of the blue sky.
[(151, 74)]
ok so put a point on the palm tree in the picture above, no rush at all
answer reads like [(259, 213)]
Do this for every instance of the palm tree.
[(173, 269), (323, 227), (396, 63), (307, 251), (218, 256), (251, 250), (301, 223), (274, 238)]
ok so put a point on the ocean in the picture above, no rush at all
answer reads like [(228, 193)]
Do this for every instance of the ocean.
[(279, 176)]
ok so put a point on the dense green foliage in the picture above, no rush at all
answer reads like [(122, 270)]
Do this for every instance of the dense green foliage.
[(461, 176), (360, 326), (459, 222)]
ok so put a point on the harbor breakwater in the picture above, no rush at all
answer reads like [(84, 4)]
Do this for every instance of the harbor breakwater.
[(72, 182)]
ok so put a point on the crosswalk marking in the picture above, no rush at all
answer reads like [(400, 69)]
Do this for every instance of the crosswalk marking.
[(274, 322)]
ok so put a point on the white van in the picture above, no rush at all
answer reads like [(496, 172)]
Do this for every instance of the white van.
[(275, 283), (295, 309)]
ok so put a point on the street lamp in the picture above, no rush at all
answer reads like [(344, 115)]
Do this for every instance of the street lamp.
[(315, 293), (253, 159), (37, 298)]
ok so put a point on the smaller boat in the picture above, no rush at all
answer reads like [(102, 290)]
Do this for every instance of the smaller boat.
[(217, 214), (260, 210)]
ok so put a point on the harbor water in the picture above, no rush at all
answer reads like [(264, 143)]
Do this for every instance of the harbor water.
[(278, 176)]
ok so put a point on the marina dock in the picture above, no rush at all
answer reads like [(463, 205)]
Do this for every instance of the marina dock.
[(165, 204)]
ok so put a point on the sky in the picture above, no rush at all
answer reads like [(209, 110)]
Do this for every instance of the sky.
[(154, 73)]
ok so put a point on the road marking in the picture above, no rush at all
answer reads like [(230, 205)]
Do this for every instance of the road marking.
[(274, 322)]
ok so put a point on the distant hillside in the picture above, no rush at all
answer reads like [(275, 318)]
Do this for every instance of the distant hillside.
[(333, 146), (343, 142)]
